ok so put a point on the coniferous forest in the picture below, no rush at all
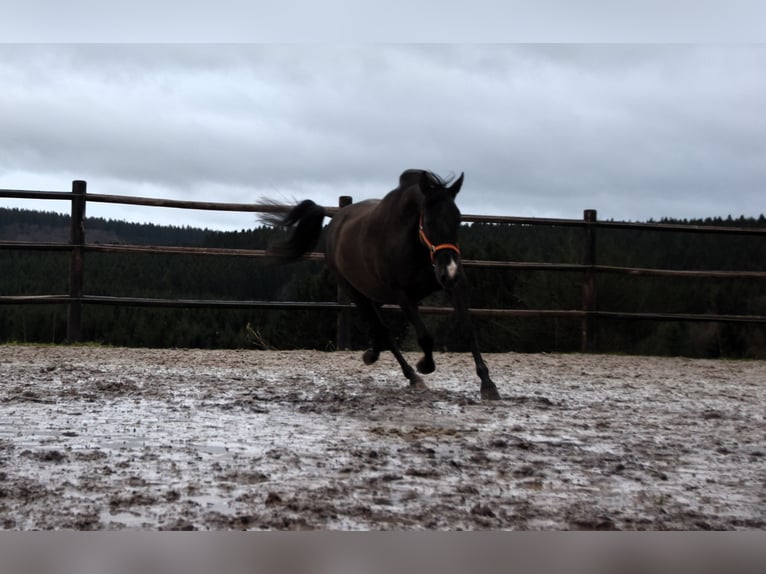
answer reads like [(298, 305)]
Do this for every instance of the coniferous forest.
[(238, 278)]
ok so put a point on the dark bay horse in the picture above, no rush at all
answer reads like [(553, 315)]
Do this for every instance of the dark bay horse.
[(395, 250)]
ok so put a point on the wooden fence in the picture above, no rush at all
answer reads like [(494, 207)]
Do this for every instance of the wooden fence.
[(588, 314)]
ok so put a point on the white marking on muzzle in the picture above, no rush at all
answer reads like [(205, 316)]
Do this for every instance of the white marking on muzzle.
[(452, 268)]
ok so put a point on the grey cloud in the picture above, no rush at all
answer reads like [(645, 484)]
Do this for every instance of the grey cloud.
[(634, 131)]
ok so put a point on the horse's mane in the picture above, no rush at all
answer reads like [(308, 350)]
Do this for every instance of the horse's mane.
[(439, 181), (433, 179)]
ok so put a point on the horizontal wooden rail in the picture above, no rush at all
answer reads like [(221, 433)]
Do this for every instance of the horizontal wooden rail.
[(692, 317), (35, 299), (553, 222), (334, 306), (154, 201), (30, 194), (196, 205), (682, 228), (42, 246), (477, 263), (331, 210)]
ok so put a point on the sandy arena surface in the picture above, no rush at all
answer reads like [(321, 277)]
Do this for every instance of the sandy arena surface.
[(110, 438)]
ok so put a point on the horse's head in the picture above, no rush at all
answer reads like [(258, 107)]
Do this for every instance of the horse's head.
[(438, 226)]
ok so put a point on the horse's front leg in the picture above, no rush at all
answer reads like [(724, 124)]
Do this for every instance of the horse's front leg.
[(460, 300), (426, 364)]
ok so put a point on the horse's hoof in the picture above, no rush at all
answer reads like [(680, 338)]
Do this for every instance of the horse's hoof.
[(490, 394), (426, 366), (370, 356), (419, 384)]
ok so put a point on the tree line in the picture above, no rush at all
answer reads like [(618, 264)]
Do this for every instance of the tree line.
[(236, 278)]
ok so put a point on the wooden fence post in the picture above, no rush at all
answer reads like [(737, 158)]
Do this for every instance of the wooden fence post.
[(343, 333), (76, 262), (588, 340)]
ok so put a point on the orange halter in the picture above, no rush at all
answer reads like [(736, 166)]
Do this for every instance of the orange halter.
[(431, 247)]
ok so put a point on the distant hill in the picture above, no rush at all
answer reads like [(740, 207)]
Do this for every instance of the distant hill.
[(28, 225)]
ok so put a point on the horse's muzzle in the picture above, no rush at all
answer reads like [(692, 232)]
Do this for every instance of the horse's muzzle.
[(447, 268)]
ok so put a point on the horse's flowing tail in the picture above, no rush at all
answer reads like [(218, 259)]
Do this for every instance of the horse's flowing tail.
[(305, 219)]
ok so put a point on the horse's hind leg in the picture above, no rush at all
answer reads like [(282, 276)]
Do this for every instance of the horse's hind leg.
[(366, 309), (426, 364), (372, 354), (381, 334), (415, 380)]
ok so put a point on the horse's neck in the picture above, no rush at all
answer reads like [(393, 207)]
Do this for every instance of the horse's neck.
[(395, 216), (404, 203)]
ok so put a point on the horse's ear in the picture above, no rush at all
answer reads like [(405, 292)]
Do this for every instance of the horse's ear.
[(454, 189)]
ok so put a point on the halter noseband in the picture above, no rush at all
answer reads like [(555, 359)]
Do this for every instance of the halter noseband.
[(432, 249)]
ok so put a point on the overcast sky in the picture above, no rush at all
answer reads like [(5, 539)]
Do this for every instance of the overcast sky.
[(636, 131)]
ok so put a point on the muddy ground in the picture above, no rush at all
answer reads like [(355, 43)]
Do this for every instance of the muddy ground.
[(109, 438)]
